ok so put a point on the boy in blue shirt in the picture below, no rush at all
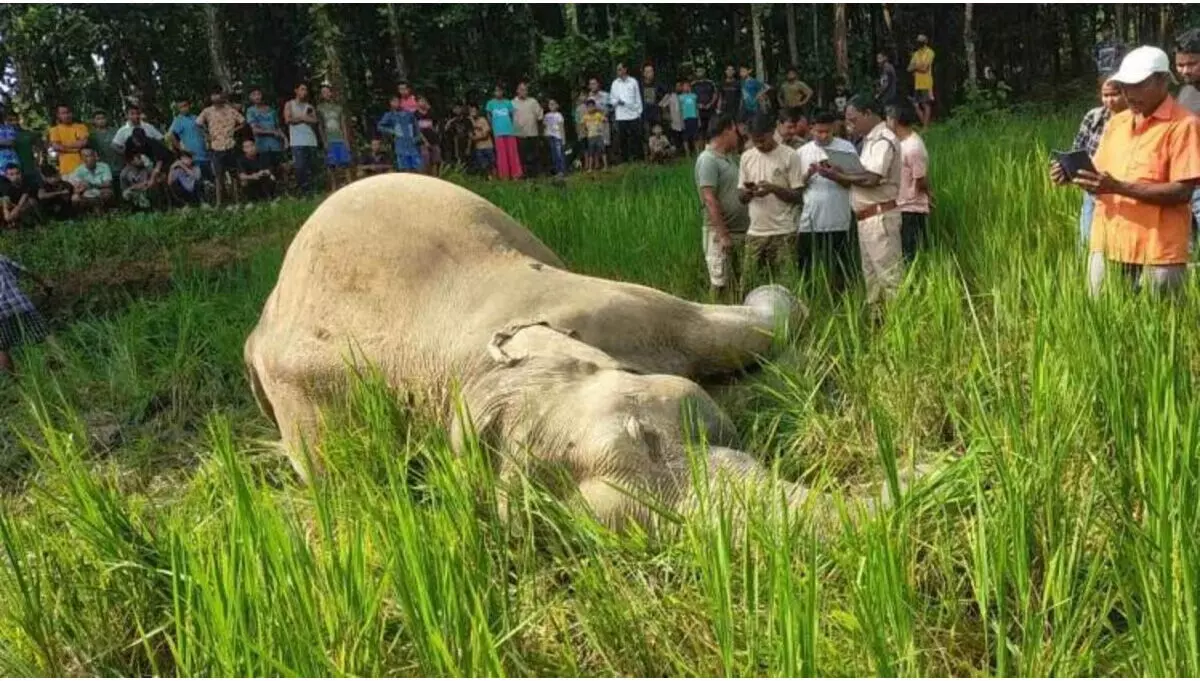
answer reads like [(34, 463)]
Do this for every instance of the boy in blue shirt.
[(402, 126), (752, 89), (186, 134), (689, 106)]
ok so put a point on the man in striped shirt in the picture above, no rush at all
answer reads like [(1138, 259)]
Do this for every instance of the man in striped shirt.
[(1112, 101)]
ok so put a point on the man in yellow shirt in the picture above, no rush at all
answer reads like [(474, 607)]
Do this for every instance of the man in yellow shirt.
[(67, 138), (921, 66)]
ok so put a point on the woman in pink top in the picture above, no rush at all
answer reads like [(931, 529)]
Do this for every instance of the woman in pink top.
[(408, 100), (914, 179)]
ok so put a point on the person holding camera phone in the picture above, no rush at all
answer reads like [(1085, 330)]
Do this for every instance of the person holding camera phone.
[(770, 179)]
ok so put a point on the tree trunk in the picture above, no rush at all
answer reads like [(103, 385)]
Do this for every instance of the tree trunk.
[(1122, 26), (793, 46), (534, 45), (816, 31), (397, 42), (327, 36), (570, 12), (841, 52), (891, 45), (969, 44), (756, 12), (216, 47), (1164, 24)]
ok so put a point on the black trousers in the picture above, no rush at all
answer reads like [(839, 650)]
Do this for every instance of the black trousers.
[(912, 234), (529, 149), (257, 190), (830, 251), (629, 136)]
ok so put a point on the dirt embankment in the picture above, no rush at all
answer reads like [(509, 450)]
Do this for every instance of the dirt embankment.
[(109, 284)]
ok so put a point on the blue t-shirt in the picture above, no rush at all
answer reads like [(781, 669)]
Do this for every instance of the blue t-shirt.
[(402, 126), (501, 113), (267, 119), (190, 135), (750, 89), (687, 105)]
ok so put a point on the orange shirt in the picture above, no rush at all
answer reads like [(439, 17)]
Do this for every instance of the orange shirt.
[(1163, 147), (68, 161)]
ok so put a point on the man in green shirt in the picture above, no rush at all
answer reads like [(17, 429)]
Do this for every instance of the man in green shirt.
[(725, 216), (24, 147), (333, 128), (101, 139), (92, 180), (793, 92)]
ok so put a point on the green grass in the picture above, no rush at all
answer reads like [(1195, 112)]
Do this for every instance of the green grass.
[(148, 526)]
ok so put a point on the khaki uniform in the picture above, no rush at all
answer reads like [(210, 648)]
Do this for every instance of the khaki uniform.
[(879, 235)]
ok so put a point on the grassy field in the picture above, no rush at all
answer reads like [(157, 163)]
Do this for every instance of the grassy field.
[(148, 527)]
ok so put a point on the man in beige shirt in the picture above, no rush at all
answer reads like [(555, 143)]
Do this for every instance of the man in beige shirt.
[(527, 114), (873, 194), (770, 181)]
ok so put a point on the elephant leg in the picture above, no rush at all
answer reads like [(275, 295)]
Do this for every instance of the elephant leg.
[(659, 333)]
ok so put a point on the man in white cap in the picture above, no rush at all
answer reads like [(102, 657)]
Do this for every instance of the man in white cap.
[(1148, 165)]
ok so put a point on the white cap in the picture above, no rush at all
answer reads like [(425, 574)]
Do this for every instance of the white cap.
[(1140, 64)]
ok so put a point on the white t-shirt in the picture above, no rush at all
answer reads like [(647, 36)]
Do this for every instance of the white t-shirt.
[(126, 131), (826, 203), (771, 215), (626, 95), (553, 122)]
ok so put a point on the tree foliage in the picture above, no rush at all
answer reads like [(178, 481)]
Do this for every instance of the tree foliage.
[(106, 55)]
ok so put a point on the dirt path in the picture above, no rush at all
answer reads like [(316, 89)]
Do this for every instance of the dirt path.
[(108, 284)]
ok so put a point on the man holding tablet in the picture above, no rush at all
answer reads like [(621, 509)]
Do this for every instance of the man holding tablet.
[(874, 188), (1145, 170)]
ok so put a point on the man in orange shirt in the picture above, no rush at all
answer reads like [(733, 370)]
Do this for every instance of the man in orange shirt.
[(1148, 164), (67, 138)]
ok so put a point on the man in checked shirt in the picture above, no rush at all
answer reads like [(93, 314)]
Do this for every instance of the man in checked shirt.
[(1112, 101), (20, 321)]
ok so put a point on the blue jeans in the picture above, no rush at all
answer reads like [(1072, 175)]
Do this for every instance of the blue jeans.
[(1086, 215), (556, 155)]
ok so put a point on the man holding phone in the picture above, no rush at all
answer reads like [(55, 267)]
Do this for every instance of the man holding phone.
[(770, 180), (1146, 167)]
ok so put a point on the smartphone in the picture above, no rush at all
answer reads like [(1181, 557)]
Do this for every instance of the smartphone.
[(751, 185)]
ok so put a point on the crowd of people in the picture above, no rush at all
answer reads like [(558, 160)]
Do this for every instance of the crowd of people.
[(237, 152), (229, 153), (791, 191)]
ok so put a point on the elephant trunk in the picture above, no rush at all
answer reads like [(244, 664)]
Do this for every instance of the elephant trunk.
[(737, 472)]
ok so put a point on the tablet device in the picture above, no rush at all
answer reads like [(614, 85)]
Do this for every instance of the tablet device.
[(1074, 161), (844, 161)]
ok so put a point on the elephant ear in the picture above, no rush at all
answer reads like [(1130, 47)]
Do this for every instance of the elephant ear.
[(500, 338)]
